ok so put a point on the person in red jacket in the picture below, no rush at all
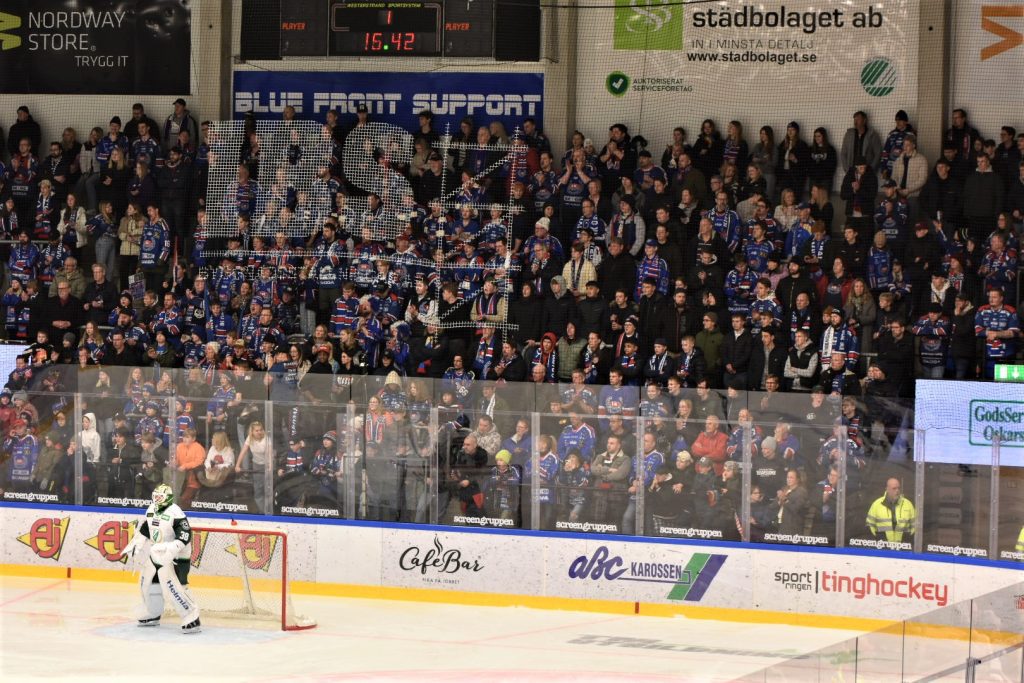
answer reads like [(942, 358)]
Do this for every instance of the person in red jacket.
[(711, 443)]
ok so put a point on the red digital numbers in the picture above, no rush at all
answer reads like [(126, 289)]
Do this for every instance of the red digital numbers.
[(379, 41)]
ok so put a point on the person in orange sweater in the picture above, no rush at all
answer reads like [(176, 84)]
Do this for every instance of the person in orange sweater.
[(189, 456), (711, 443)]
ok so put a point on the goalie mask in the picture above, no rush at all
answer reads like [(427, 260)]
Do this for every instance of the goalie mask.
[(163, 496)]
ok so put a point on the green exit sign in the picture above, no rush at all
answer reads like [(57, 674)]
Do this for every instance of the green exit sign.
[(1009, 373)]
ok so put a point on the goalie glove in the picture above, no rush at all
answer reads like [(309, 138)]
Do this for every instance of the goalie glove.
[(129, 551)]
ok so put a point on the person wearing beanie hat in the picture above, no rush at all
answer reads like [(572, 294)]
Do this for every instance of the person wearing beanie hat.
[(113, 139), (922, 254), (660, 365), (325, 467), (628, 362), (542, 235), (933, 330), (794, 161), (501, 488), (24, 127), (647, 172), (894, 144)]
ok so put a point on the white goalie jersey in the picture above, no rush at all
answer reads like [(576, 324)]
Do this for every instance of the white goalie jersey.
[(167, 526)]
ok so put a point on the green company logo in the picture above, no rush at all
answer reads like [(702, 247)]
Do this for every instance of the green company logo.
[(991, 420), (878, 77), (700, 571), (9, 22), (648, 25), (617, 83)]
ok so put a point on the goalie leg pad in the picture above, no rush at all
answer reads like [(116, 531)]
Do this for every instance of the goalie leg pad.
[(182, 600), (152, 597)]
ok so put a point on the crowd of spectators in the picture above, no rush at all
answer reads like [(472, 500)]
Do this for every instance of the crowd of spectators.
[(623, 286)]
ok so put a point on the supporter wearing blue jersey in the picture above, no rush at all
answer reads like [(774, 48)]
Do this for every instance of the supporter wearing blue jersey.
[(542, 235), (346, 310), (146, 149), (999, 267), (644, 467), (543, 183), (879, 262), (578, 436), (614, 398), (226, 282), (799, 234), (646, 172), (894, 143), (24, 260), (893, 217), (739, 287), (329, 270), (154, 248), (725, 221), (250, 321), (112, 139), (169, 319), (243, 198), (572, 185), (495, 228), (933, 331), (20, 449), (758, 250), (837, 337), (651, 267), (765, 300), (998, 324)]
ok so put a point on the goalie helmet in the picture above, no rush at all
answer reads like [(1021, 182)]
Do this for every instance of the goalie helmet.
[(163, 497)]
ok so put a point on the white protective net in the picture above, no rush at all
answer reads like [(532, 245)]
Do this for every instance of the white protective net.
[(241, 575), (291, 193)]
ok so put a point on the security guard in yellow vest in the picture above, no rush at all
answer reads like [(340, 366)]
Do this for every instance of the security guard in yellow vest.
[(891, 516), (1020, 541)]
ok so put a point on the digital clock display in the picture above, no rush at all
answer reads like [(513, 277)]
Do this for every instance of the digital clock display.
[(382, 29)]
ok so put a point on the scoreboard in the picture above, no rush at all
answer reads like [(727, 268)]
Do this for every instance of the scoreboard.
[(341, 28)]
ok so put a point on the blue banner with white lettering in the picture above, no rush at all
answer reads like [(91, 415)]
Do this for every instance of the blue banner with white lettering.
[(394, 98)]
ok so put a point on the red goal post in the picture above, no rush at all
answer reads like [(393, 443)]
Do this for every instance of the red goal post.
[(242, 573)]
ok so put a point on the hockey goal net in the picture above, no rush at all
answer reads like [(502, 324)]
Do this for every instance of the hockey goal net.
[(243, 574)]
